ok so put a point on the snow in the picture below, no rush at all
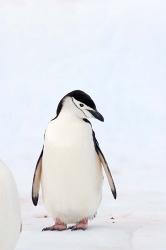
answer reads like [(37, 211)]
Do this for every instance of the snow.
[(139, 223), (115, 51)]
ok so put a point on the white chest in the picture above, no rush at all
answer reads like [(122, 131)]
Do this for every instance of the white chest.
[(69, 146), (69, 149), (69, 134), (71, 173)]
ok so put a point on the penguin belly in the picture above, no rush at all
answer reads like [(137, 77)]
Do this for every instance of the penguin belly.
[(10, 218), (71, 175)]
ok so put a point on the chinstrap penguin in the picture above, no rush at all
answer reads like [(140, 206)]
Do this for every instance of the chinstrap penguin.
[(70, 164), (10, 215)]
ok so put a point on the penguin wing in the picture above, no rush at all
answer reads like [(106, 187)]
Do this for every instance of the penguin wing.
[(36, 180), (105, 166)]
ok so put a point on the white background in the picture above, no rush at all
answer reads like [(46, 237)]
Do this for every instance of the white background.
[(116, 52)]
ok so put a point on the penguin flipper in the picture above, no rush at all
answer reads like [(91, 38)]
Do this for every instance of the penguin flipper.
[(105, 166), (36, 180)]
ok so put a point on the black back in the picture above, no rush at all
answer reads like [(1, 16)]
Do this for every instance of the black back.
[(79, 95)]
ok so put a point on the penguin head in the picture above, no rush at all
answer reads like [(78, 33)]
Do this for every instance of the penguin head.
[(80, 104)]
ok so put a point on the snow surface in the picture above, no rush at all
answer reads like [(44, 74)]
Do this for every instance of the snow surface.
[(115, 51), (140, 223)]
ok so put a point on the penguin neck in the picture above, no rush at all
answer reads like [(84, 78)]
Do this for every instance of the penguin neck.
[(67, 115)]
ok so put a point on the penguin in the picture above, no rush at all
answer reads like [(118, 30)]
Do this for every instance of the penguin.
[(10, 215), (70, 166)]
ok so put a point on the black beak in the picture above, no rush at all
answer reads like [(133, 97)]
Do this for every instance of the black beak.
[(97, 115)]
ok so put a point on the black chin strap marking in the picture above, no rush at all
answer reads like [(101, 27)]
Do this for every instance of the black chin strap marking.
[(79, 108)]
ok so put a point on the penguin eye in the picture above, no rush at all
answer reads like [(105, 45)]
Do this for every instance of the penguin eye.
[(81, 105)]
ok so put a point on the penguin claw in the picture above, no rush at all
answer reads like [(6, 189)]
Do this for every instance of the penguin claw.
[(81, 225), (53, 228), (76, 228), (47, 229), (44, 229)]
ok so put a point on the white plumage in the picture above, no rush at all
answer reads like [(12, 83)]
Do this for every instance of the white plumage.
[(10, 219), (71, 173), (70, 164)]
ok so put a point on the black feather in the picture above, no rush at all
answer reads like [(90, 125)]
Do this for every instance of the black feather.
[(79, 95), (98, 151)]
